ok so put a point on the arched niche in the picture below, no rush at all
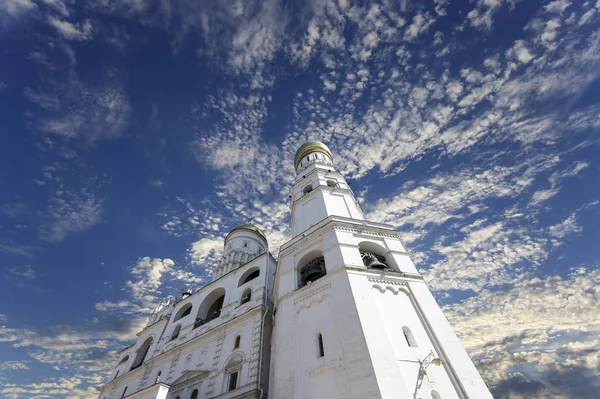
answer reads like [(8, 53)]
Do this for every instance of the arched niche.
[(211, 307), (311, 267), (246, 296), (376, 256), (249, 275), (142, 353), (183, 312), (124, 359)]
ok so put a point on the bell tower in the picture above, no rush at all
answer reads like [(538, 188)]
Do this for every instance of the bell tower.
[(354, 319)]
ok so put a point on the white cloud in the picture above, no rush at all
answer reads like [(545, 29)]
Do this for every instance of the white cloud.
[(12, 365), (520, 52), (421, 23), (546, 325), (16, 7), (70, 212), (587, 17), (80, 31)]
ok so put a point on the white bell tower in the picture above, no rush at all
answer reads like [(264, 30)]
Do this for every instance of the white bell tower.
[(354, 319)]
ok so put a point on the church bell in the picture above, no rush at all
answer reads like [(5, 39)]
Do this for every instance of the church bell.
[(372, 261)]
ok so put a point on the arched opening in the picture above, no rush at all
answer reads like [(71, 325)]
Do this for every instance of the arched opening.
[(210, 308), (184, 311), (435, 395), (237, 342), (176, 332), (307, 189), (373, 256), (246, 296), (124, 392), (158, 377), (410, 339), (142, 353), (332, 184), (126, 358), (194, 394), (320, 347), (249, 275), (312, 267)]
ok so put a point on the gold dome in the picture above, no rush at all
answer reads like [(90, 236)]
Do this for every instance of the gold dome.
[(308, 147), (247, 227)]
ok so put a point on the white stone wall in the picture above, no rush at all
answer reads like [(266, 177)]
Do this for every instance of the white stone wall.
[(198, 357)]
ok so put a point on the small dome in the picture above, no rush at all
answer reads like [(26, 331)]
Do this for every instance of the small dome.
[(308, 147), (247, 227)]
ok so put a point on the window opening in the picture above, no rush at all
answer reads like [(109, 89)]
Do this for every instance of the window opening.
[(194, 394), (142, 353), (117, 374), (158, 376), (184, 311), (251, 276), (213, 312), (124, 392), (307, 189), (126, 358), (237, 342), (332, 183), (410, 340), (314, 270), (435, 395), (320, 344), (176, 332), (246, 296), (233, 380)]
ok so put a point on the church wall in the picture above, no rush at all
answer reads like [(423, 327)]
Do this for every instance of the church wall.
[(451, 349)]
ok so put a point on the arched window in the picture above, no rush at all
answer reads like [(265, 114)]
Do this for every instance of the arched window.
[(332, 183), (373, 256), (435, 395), (184, 311), (210, 308), (142, 353), (252, 274), (237, 342), (246, 296), (194, 394), (176, 332), (312, 270), (320, 348), (307, 189), (126, 358), (158, 377), (410, 340), (124, 392)]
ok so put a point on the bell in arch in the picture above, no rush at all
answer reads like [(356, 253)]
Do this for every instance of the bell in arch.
[(313, 270), (373, 261)]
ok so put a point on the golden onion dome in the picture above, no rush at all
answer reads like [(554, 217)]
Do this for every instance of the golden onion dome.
[(247, 227), (308, 147)]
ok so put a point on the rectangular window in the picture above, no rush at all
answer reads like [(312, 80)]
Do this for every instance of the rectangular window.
[(320, 342), (233, 380)]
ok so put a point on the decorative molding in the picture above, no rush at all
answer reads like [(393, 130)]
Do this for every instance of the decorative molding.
[(364, 231), (312, 293), (387, 281)]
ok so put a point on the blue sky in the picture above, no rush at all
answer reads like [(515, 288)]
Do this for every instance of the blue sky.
[(136, 133)]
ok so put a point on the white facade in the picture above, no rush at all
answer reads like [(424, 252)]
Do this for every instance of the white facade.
[(198, 343), (352, 316), (345, 330)]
